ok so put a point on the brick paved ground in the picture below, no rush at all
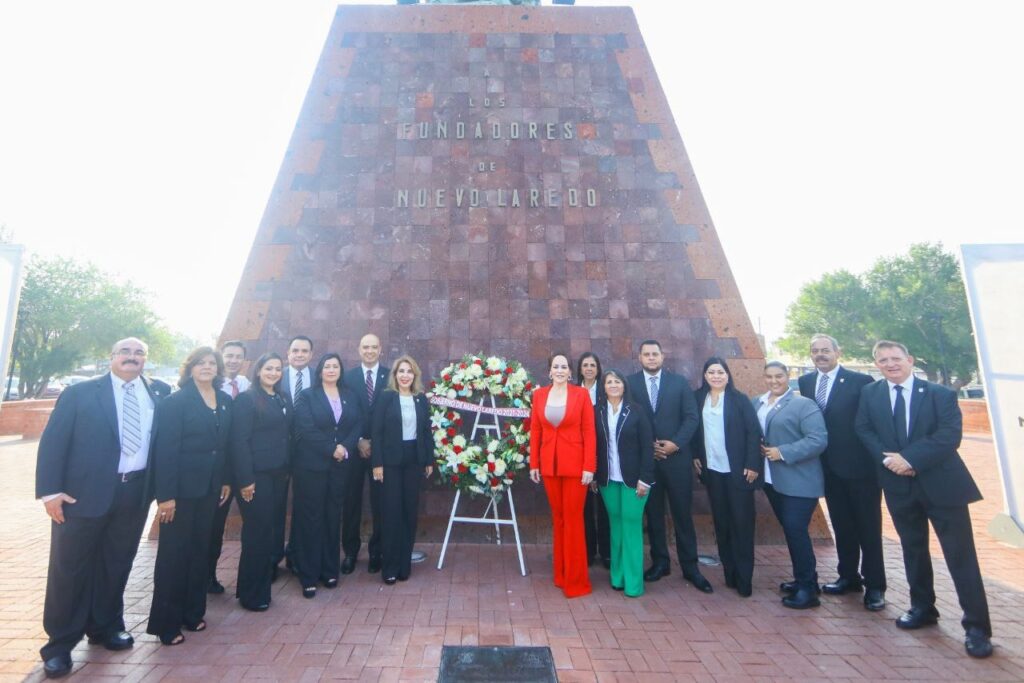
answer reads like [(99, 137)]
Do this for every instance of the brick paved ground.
[(368, 631)]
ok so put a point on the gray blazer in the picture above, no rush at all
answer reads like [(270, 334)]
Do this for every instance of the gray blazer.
[(796, 427)]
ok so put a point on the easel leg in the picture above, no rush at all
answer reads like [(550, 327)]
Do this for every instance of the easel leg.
[(515, 528), (448, 532)]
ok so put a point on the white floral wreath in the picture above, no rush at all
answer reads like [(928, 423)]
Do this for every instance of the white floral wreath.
[(490, 465)]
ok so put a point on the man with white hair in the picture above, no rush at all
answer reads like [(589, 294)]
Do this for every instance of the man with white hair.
[(92, 476)]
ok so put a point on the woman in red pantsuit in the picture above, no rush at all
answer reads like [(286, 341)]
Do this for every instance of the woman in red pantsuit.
[(563, 450)]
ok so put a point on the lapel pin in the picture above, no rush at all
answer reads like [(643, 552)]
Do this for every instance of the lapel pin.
[(920, 390), (842, 379)]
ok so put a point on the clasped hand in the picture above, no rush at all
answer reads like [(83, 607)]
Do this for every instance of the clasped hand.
[(664, 448), (897, 464)]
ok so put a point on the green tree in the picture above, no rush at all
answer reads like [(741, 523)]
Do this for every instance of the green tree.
[(71, 313), (917, 298)]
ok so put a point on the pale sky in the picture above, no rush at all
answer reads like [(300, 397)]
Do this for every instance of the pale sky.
[(145, 136)]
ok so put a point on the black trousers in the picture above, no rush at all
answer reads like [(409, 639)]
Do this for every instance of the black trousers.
[(360, 476), (732, 510), (281, 523), (596, 527), (182, 569), (794, 514), (90, 560), (400, 498), (674, 481), (220, 519), (256, 565), (316, 522), (911, 514), (855, 508)]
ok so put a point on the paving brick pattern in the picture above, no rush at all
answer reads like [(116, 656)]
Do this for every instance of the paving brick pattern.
[(367, 631)]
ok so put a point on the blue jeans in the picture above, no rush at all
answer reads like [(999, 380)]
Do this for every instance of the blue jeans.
[(794, 514)]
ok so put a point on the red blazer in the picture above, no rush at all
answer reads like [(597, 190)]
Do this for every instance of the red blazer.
[(569, 449)]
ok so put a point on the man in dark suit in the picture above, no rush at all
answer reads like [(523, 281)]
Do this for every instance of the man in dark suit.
[(912, 429), (851, 486), (367, 381), (92, 476), (672, 409), (297, 378)]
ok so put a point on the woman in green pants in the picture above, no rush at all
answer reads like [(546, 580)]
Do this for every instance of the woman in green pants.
[(625, 473)]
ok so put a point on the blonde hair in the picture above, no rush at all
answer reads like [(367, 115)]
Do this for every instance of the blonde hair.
[(417, 380)]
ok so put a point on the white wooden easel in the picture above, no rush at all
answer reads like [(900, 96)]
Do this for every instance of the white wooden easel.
[(492, 506)]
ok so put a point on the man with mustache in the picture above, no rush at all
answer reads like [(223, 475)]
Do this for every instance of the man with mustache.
[(92, 475), (852, 491)]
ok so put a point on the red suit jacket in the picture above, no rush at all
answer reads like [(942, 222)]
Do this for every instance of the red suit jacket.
[(569, 449)]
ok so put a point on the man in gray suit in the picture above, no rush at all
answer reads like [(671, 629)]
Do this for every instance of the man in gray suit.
[(794, 438)]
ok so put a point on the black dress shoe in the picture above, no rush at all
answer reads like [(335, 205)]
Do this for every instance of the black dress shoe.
[(842, 586), (348, 565), (330, 583), (699, 582), (874, 600), (803, 598), (918, 617), (977, 643), (58, 666), (791, 587), (390, 580), (373, 565), (309, 592), (257, 608), (119, 641), (656, 572), (214, 587), (616, 588)]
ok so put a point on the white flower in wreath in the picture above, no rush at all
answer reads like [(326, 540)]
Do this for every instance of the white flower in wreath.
[(437, 419), (518, 457), (475, 370), (481, 477), (459, 441), (499, 467), (496, 389), (494, 364), (492, 446), (453, 460), (451, 393)]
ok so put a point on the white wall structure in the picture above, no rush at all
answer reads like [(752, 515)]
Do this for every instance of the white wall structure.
[(11, 258), (994, 276)]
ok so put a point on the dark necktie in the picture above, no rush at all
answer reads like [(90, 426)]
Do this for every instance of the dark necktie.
[(899, 417), (298, 384), (821, 397), (369, 386)]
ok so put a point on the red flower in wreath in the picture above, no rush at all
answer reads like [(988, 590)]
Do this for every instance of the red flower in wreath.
[(455, 479), (495, 482), (456, 449), (451, 431), (478, 361), (490, 467), (462, 468)]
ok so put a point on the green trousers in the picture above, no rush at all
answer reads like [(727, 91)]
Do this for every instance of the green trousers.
[(625, 521)]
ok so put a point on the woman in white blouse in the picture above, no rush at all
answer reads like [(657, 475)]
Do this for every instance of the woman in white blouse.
[(625, 473), (728, 458), (403, 454)]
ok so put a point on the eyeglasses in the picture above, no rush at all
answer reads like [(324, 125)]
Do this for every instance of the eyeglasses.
[(124, 353)]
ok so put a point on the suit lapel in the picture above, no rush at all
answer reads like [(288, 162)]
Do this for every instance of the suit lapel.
[(620, 422), (774, 410), (884, 406), (918, 391), (105, 396)]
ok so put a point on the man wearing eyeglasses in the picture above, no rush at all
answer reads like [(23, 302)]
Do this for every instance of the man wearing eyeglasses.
[(92, 477)]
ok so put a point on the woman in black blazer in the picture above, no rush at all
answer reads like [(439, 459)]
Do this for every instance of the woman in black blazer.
[(260, 436), (191, 477), (403, 451), (625, 473), (727, 446), (328, 422)]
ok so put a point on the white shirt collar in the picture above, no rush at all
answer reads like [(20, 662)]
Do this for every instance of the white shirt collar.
[(907, 384), (831, 374), (119, 383), (766, 395), (648, 376), (373, 369)]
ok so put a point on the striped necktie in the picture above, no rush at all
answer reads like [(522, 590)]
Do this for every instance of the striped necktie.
[(298, 384), (131, 422), (654, 393), (369, 386), (822, 394)]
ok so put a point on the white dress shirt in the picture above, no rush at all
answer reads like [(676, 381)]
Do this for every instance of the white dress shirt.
[(714, 434), (408, 405), (243, 384), (592, 390), (762, 416), (614, 466), (137, 460), (831, 383), (908, 392), (647, 383), (293, 375)]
